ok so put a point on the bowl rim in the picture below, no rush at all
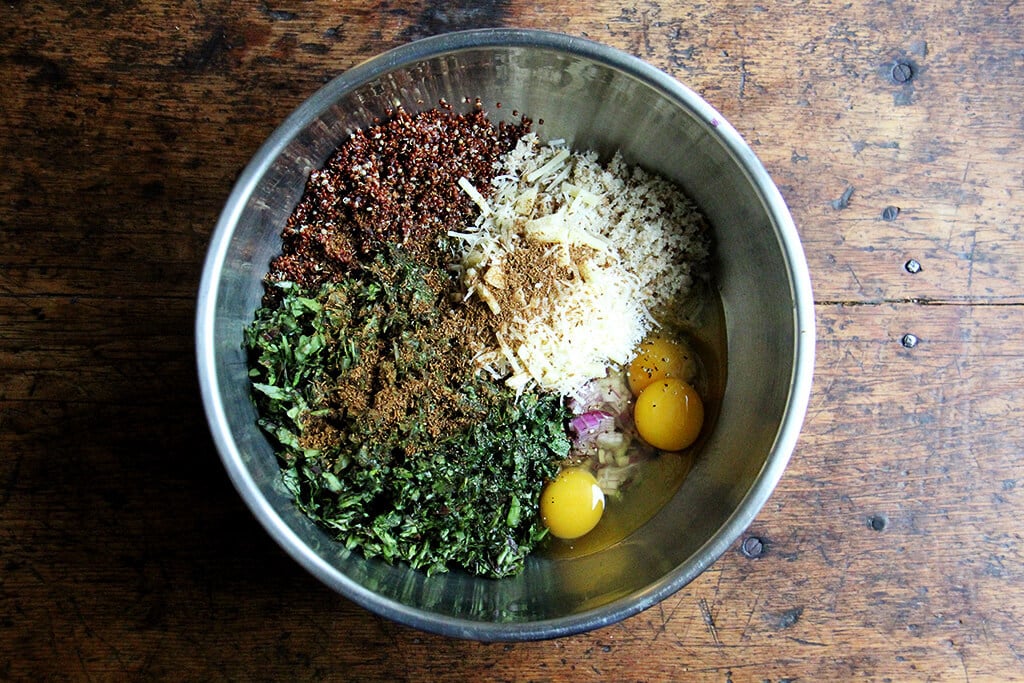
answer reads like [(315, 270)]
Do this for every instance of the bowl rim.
[(800, 380)]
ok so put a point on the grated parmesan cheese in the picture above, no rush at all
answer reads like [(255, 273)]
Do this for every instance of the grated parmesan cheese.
[(630, 242), (475, 195)]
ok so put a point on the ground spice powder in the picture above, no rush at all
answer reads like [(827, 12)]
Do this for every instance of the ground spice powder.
[(523, 281)]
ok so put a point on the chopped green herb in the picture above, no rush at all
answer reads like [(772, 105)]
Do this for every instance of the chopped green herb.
[(386, 435)]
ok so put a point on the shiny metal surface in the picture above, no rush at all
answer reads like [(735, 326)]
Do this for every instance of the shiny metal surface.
[(596, 98)]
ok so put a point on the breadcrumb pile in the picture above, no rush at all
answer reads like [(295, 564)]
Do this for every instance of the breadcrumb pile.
[(624, 244)]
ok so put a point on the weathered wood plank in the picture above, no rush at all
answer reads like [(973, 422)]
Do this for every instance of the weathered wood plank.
[(810, 86), (820, 108), (891, 548)]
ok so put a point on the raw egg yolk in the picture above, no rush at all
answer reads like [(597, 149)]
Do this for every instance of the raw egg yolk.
[(572, 504), (659, 358), (669, 414)]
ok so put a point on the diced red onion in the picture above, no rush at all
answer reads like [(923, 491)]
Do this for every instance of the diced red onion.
[(588, 426), (604, 393), (592, 423)]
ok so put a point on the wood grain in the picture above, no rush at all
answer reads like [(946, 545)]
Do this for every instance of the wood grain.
[(891, 548)]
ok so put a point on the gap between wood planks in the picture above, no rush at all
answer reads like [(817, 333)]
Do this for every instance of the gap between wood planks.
[(922, 301)]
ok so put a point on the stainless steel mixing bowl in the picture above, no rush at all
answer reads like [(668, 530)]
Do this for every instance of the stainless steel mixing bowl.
[(596, 98)]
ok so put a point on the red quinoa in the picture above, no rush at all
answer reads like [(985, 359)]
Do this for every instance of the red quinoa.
[(394, 182)]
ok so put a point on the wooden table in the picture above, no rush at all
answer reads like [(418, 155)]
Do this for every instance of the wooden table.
[(890, 550)]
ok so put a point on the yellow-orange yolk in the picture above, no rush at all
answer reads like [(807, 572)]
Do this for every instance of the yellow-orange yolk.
[(660, 358), (572, 504), (669, 414)]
